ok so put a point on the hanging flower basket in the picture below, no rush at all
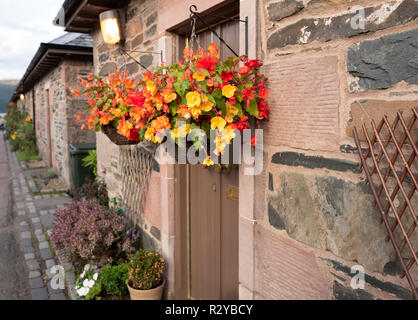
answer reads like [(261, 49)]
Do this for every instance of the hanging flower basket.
[(200, 94), (118, 139)]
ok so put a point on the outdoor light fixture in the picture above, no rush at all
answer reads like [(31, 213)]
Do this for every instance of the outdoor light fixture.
[(110, 24), (22, 96)]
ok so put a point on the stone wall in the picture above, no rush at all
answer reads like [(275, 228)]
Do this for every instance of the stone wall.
[(140, 33), (64, 128), (315, 219)]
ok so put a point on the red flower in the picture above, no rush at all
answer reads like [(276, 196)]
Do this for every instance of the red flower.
[(244, 70), (207, 63), (263, 109), (136, 99), (253, 63), (263, 93), (253, 141), (247, 95), (241, 125), (227, 76), (133, 134)]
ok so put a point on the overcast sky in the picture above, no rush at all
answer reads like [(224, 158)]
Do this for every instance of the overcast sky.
[(24, 24)]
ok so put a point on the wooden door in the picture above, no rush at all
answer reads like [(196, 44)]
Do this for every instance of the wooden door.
[(211, 247), (213, 233)]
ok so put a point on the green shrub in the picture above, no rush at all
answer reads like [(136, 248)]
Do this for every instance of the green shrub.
[(90, 161), (92, 190), (21, 133), (108, 284), (146, 269)]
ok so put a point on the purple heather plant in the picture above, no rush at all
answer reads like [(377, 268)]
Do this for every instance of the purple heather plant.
[(90, 233)]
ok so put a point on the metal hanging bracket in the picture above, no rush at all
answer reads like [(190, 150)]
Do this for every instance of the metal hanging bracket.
[(195, 14)]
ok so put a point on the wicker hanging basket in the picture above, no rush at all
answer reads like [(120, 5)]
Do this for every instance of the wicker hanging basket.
[(111, 132)]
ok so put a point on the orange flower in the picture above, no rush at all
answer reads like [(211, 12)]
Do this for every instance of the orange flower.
[(124, 127), (105, 118), (116, 112), (184, 111), (169, 95), (160, 123), (75, 92)]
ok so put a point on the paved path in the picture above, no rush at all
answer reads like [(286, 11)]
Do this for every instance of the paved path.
[(25, 253), (13, 280)]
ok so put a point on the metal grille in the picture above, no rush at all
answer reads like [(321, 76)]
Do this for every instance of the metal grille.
[(136, 165), (390, 165)]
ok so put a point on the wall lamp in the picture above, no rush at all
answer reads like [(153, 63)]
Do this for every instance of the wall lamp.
[(22, 96), (111, 25)]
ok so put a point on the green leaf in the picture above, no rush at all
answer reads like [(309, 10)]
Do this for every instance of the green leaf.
[(173, 107), (229, 62), (218, 79), (211, 99), (206, 72), (217, 94), (253, 108), (220, 103)]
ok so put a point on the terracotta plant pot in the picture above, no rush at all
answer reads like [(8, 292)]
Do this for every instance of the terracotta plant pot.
[(151, 294)]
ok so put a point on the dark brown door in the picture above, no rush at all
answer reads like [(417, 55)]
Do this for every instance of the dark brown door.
[(211, 242)]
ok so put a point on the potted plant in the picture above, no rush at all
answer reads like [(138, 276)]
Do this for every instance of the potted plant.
[(145, 275), (202, 93)]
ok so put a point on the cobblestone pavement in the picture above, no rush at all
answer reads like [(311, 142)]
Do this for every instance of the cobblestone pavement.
[(13, 281), (35, 219)]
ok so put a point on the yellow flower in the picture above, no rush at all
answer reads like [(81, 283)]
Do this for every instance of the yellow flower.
[(195, 111), (28, 119), (149, 134), (220, 145), (193, 99), (228, 134), (181, 131), (206, 106), (204, 98), (151, 87), (229, 119), (199, 76), (217, 122), (208, 162), (228, 91), (157, 139)]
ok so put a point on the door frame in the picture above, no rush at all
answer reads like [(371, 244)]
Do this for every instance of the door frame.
[(173, 177)]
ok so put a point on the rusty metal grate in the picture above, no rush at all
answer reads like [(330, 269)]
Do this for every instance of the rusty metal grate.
[(390, 165)]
